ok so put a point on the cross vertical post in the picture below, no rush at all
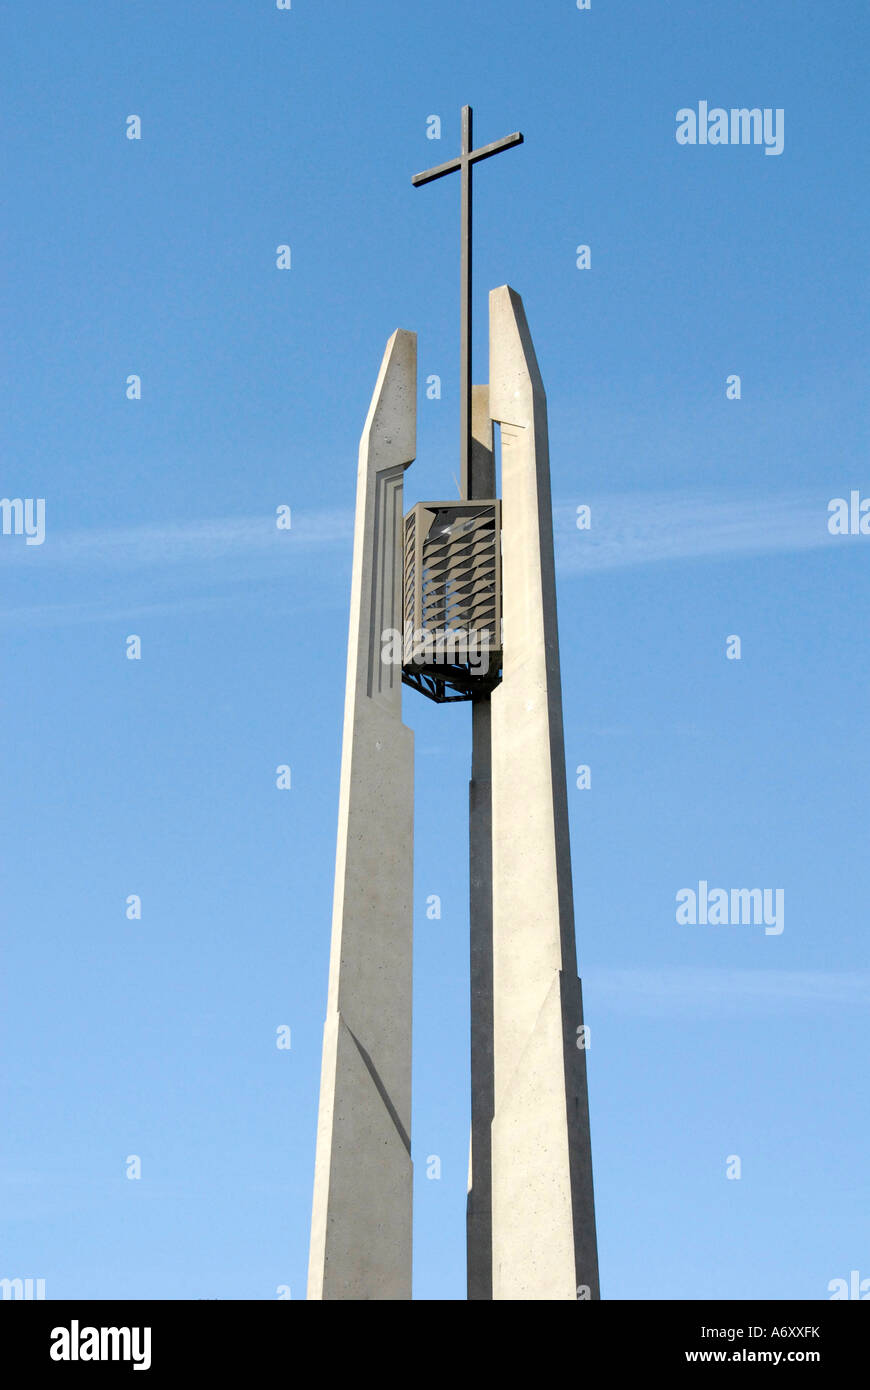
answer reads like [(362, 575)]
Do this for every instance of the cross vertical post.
[(465, 308), (464, 162)]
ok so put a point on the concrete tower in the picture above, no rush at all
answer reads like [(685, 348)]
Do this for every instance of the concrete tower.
[(470, 584)]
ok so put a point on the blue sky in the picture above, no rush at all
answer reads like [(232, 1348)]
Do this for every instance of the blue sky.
[(157, 777)]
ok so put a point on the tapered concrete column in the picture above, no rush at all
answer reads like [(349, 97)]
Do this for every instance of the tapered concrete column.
[(479, 1205), (361, 1221), (543, 1237)]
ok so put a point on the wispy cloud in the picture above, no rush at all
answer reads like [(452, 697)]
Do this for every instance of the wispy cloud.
[(648, 528), (172, 565), (165, 568), (681, 990), (627, 529), (171, 543)]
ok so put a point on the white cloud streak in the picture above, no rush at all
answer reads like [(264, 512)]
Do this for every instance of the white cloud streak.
[(649, 528), (628, 530), (162, 544), (681, 990)]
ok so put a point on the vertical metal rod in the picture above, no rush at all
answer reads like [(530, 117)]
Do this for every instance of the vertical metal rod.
[(465, 311)]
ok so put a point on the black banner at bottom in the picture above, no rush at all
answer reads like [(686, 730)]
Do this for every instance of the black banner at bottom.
[(216, 1337)]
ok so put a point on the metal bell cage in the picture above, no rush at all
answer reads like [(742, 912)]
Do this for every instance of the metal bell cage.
[(452, 599)]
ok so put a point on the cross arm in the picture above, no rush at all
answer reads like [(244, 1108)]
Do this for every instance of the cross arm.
[(439, 170), (497, 145), (474, 157)]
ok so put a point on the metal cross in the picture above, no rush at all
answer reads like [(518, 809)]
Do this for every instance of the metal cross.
[(464, 162)]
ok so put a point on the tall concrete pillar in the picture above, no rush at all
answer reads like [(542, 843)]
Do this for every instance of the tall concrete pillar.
[(361, 1219), (479, 1205), (543, 1221)]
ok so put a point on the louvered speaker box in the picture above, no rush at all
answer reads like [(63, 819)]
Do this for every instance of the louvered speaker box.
[(452, 598)]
